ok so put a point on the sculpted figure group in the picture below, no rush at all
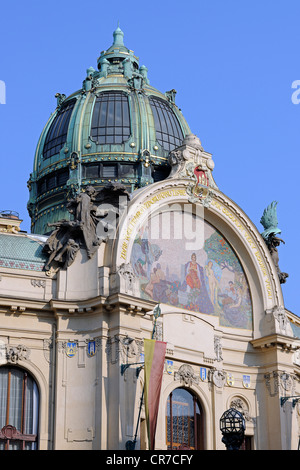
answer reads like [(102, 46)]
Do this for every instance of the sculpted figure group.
[(88, 209)]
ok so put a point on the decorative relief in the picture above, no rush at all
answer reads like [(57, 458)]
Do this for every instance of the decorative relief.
[(287, 382), (191, 162), (186, 375), (18, 353), (38, 283), (281, 318), (129, 347), (120, 348), (47, 346), (217, 377), (272, 383), (241, 406), (279, 383), (296, 357), (218, 348), (127, 273)]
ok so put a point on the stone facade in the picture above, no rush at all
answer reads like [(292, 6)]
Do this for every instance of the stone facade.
[(74, 329), (78, 295)]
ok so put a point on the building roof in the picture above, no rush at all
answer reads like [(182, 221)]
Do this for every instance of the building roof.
[(21, 251)]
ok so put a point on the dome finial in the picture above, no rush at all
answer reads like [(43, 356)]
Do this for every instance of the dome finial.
[(118, 36)]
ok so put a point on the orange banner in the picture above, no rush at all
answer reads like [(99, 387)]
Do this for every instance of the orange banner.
[(155, 352)]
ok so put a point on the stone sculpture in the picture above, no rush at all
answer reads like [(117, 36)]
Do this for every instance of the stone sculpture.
[(94, 219)]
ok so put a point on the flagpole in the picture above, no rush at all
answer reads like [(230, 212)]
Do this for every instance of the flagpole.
[(130, 445)]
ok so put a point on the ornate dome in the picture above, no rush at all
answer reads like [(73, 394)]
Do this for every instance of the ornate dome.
[(115, 128)]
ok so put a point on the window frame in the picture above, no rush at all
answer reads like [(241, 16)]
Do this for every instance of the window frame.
[(198, 424), (161, 110), (109, 128), (55, 139), (52, 181), (9, 433)]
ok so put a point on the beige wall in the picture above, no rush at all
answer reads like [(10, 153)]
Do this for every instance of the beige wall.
[(85, 402)]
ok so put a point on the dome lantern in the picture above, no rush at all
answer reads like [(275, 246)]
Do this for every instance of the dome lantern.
[(118, 37)]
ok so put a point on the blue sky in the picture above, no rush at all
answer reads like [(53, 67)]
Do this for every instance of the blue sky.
[(232, 63)]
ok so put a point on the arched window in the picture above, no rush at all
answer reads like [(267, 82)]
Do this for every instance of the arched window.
[(184, 421), (19, 403), (57, 133), (168, 131), (111, 119)]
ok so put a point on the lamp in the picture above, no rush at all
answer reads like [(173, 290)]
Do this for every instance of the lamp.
[(232, 426)]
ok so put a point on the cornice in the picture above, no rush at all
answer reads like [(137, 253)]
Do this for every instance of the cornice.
[(288, 343)]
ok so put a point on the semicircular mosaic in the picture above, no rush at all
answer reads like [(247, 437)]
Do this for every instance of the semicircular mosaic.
[(201, 273)]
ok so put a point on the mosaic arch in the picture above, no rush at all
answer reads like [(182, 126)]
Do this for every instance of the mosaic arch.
[(182, 260)]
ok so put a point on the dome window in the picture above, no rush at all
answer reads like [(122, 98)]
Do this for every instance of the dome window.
[(111, 120), (57, 134), (52, 181), (168, 131)]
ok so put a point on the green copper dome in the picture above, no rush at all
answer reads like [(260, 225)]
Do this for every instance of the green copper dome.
[(115, 128)]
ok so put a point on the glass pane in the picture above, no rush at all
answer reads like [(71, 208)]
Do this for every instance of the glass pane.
[(111, 118), (162, 120), (125, 108), (127, 169), (156, 119), (57, 133), (110, 113), (118, 113), (15, 404), (3, 395), (185, 418), (51, 182), (15, 445), (62, 177), (102, 117), (92, 171), (167, 127), (126, 132), (22, 392), (96, 114), (109, 171)]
